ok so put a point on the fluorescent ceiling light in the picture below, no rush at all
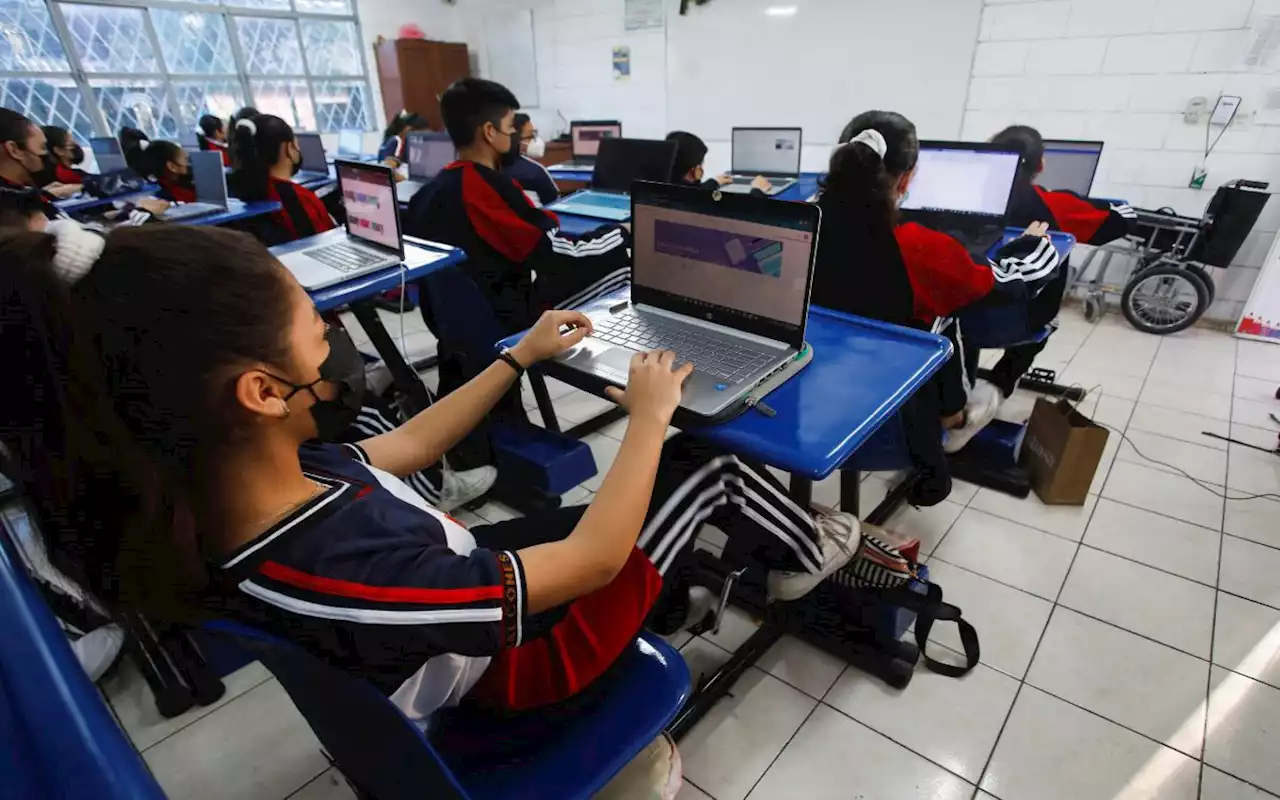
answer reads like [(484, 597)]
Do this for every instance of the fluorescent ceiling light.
[(781, 11)]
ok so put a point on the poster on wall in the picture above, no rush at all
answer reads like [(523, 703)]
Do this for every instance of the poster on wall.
[(643, 14), (1261, 316), (621, 63)]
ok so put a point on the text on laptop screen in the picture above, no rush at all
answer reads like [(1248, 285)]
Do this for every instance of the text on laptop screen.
[(755, 269), (350, 142), (1070, 165), (428, 154), (312, 150), (766, 151), (586, 138), (966, 181), (370, 199)]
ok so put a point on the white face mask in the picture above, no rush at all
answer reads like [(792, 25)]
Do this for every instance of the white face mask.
[(537, 148)]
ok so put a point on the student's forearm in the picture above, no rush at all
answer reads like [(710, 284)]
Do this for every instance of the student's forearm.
[(600, 544)]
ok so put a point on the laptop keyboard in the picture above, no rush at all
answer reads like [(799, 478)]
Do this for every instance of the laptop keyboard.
[(343, 257), (709, 352)]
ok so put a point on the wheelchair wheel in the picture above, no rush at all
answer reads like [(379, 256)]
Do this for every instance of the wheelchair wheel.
[(1164, 299), (1204, 276), (1093, 308)]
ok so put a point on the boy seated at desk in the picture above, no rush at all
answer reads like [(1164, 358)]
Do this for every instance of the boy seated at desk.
[(516, 253), (688, 169), (871, 263), (526, 170)]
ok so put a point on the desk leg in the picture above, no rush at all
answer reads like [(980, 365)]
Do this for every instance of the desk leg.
[(850, 486), (405, 379), (802, 490), (548, 411)]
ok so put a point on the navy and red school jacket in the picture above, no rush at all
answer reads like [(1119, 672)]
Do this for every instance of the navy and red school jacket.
[(393, 147), (302, 213), (176, 192), (48, 204), (64, 174), (1090, 221), (508, 240)]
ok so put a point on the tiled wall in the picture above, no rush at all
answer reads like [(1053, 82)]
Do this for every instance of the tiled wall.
[(1122, 71)]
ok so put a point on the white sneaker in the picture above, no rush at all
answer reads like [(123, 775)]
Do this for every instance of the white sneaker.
[(984, 402), (839, 534), (98, 649), (460, 488)]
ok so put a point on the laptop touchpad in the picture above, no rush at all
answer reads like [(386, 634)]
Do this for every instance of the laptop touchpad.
[(616, 360)]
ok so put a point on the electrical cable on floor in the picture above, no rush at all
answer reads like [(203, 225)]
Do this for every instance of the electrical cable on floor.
[(404, 354)]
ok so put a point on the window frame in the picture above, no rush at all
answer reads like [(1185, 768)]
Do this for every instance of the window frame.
[(86, 82)]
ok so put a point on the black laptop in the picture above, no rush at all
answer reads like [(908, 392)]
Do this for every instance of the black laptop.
[(963, 189)]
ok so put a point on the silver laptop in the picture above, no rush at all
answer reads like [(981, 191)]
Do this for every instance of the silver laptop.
[(314, 166), (585, 136), (427, 153), (771, 152), (721, 280), (372, 238), (351, 144), (107, 154), (211, 188), (1069, 165)]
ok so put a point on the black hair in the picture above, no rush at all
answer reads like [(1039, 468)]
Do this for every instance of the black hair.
[(248, 112), (128, 398), (469, 103), (690, 152), (56, 135), (209, 125), (14, 127), (255, 148), (405, 120), (18, 205), (1027, 142), (145, 157), (520, 120), (859, 178)]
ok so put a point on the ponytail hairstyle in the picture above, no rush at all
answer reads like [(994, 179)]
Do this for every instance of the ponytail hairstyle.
[(877, 149), (128, 396), (210, 126), (405, 120), (255, 149), (145, 157), (1027, 143)]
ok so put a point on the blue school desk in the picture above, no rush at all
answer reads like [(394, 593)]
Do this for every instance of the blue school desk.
[(1062, 242), (247, 211), (803, 189), (358, 293), (77, 205)]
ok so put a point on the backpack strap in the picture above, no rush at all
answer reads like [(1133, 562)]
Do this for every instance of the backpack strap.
[(929, 609)]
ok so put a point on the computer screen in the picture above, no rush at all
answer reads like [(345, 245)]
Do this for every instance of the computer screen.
[(312, 149), (350, 143), (209, 176), (623, 161), (766, 151), (369, 194), (1070, 165), (963, 181), (756, 269), (107, 153), (587, 136), (428, 153)]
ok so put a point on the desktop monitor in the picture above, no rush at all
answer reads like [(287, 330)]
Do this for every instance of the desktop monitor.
[(586, 136), (1070, 165), (771, 152), (962, 178)]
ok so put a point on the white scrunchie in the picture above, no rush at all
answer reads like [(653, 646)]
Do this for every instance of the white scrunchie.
[(872, 138), (249, 125), (76, 250), (143, 144)]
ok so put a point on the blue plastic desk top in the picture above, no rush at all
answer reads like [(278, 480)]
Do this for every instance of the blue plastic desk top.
[(254, 209), (78, 204), (861, 374), (416, 266), (1062, 242)]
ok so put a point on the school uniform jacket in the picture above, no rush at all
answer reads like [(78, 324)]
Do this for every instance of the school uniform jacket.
[(393, 147), (175, 192), (507, 239), (302, 213), (211, 144), (1090, 221)]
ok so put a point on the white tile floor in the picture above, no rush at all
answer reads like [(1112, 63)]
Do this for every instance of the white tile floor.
[(1130, 647)]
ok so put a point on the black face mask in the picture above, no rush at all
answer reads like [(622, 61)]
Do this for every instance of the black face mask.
[(512, 155), (186, 180), (344, 368), (77, 155)]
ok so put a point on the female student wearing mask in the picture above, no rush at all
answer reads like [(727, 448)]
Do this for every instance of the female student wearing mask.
[(212, 135), (166, 163), (688, 169), (391, 152), (1090, 221), (526, 171), (870, 262), (267, 157), (169, 454), (65, 154)]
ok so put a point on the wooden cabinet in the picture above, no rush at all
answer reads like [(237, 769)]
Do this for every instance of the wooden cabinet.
[(414, 72)]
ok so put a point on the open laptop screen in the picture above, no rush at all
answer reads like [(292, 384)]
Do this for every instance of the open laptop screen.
[(740, 261), (369, 194), (1070, 165), (622, 161), (209, 176), (428, 153), (107, 153), (766, 151), (312, 150), (587, 136), (962, 179)]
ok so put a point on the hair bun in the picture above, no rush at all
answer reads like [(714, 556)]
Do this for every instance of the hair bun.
[(249, 125), (872, 139)]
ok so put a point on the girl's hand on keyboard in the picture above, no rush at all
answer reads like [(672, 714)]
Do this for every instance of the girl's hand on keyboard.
[(653, 387), (545, 340)]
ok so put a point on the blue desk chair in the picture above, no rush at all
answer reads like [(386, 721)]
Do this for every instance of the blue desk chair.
[(542, 758), (57, 738)]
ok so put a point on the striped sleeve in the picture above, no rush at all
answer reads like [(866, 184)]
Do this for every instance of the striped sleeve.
[(595, 243), (1022, 267)]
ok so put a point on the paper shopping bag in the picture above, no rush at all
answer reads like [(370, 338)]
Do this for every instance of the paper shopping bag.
[(1061, 451)]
